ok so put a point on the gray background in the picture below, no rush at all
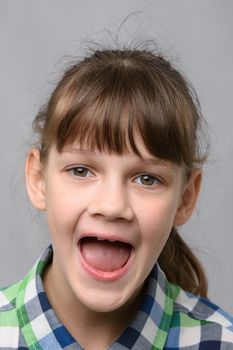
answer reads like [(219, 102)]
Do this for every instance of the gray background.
[(196, 34)]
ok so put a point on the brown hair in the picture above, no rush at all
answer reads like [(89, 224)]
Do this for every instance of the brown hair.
[(100, 102)]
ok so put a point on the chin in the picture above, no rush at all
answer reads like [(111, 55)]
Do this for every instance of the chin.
[(104, 305), (103, 302)]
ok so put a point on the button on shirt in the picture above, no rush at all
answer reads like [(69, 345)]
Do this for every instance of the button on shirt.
[(168, 318)]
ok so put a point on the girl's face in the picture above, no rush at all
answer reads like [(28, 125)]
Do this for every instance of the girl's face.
[(109, 217)]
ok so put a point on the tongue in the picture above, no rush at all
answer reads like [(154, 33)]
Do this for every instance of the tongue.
[(104, 255)]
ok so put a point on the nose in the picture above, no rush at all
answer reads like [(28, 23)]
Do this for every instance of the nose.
[(111, 201)]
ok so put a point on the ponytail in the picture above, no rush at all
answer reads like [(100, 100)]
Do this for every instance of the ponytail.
[(181, 267)]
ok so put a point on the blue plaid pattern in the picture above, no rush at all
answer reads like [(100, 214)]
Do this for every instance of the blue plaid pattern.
[(168, 318)]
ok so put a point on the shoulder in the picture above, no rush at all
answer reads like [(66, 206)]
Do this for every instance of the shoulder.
[(9, 324), (15, 306), (199, 322), (8, 296)]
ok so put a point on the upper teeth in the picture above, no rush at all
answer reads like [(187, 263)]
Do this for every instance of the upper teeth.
[(103, 239)]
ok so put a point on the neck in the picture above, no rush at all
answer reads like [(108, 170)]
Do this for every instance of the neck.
[(80, 321)]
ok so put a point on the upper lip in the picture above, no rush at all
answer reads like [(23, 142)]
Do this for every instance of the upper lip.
[(106, 236)]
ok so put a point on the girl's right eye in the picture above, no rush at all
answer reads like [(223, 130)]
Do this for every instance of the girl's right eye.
[(80, 171)]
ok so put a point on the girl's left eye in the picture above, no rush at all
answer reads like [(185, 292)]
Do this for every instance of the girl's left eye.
[(147, 180), (80, 171)]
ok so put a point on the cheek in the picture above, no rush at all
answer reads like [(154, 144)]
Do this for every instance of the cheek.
[(155, 228), (154, 236), (156, 218), (63, 210)]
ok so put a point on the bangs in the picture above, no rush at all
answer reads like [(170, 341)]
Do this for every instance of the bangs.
[(110, 108)]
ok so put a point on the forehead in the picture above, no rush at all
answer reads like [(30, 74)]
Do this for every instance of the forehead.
[(134, 148), (143, 157)]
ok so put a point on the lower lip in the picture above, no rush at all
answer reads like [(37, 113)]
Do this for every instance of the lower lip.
[(106, 275)]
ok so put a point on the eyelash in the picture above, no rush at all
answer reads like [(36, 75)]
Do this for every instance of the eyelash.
[(155, 180), (80, 167)]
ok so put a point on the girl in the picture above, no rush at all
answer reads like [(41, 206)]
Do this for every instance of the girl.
[(117, 169)]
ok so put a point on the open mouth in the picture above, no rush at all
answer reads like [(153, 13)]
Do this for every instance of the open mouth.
[(104, 255)]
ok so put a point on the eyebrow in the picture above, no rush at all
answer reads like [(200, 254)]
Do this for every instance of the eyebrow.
[(146, 160), (156, 161), (79, 150)]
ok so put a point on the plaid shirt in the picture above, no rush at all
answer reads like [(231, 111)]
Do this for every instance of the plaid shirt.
[(168, 318)]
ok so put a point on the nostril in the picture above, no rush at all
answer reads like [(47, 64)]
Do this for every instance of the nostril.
[(111, 211)]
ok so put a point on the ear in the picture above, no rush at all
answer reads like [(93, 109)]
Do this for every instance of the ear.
[(35, 179), (188, 198)]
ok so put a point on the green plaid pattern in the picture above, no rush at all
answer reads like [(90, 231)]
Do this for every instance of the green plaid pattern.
[(168, 318)]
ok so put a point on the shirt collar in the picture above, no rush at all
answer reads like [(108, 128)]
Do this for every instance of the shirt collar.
[(40, 325)]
